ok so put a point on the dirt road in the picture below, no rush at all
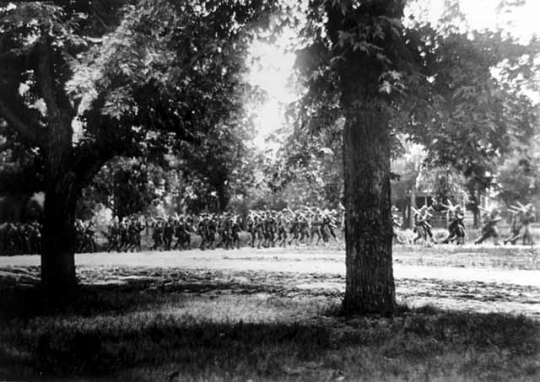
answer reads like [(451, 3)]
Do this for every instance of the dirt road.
[(444, 283)]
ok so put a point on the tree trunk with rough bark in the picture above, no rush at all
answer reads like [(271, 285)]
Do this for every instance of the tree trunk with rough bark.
[(58, 242), (66, 167), (370, 287), (369, 279), (58, 275)]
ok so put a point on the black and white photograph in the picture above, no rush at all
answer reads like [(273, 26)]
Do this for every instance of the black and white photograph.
[(269, 190)]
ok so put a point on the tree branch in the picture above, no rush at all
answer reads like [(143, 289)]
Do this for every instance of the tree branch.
[(55, 97)]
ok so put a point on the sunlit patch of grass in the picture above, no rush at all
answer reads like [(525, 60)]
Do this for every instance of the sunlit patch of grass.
[(481, 256)]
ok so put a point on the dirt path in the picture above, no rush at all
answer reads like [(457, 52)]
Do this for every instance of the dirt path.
[(457, 285)]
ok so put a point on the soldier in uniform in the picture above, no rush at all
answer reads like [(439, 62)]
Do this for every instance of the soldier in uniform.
[(212, 231), (528, 218), (315, 229), (124, 234), (522, 217), (113, 235), (236, 228), (422, 225), (11, 235), (25, 238), (489, 228), (456, 226), (79, 232), (183, 239), (134, 229), (329, 225), (224, 230), (89, 244), (168, 232), (396, 225), (259, 230), (282, 224), (35, 237), (294, 228), (516, 226), (157, 234), (269, 229), (202, 231), (250, 227), (304, 228)]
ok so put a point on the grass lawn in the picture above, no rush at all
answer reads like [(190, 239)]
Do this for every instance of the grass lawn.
[(152, 329)]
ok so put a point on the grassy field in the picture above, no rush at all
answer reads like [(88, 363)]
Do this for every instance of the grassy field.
[(169, 324)]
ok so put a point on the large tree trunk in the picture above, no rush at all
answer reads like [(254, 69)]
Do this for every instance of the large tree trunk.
[(370, 284), (58, 247), (368, 230)]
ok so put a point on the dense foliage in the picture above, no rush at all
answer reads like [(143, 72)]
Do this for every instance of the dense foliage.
[(460, 93), (79, 89)]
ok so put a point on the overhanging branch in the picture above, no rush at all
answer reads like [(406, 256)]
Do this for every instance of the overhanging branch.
[(58, 104)]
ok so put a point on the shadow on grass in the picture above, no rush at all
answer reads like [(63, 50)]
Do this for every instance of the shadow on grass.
[(153, 324), (26, 301), (110, 331), (193, 345)]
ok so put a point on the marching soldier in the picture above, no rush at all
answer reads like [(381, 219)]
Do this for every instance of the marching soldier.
[(522, 217), (157, 234), (456, 226), (489, 228), (168, 232), (516, 226), (529, 216), (316, 227), (236, 228), (124, 234), (250, 227), (422, 225), (113, 236), (396, 225), (329, 224), (134, 229), (295, 228), (282, 224), (181, 232), (202, 231)]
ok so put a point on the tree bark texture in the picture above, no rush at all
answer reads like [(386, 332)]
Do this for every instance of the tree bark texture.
[(58, 274), (61, 192), (368, 226), (370, 287)]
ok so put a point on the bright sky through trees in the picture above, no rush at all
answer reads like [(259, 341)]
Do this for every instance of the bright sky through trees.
[(273, 68), (272, 73)]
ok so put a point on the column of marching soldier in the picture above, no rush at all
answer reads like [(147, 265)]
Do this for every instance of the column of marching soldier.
[(25, 238), (266, 228), (522, 217)]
